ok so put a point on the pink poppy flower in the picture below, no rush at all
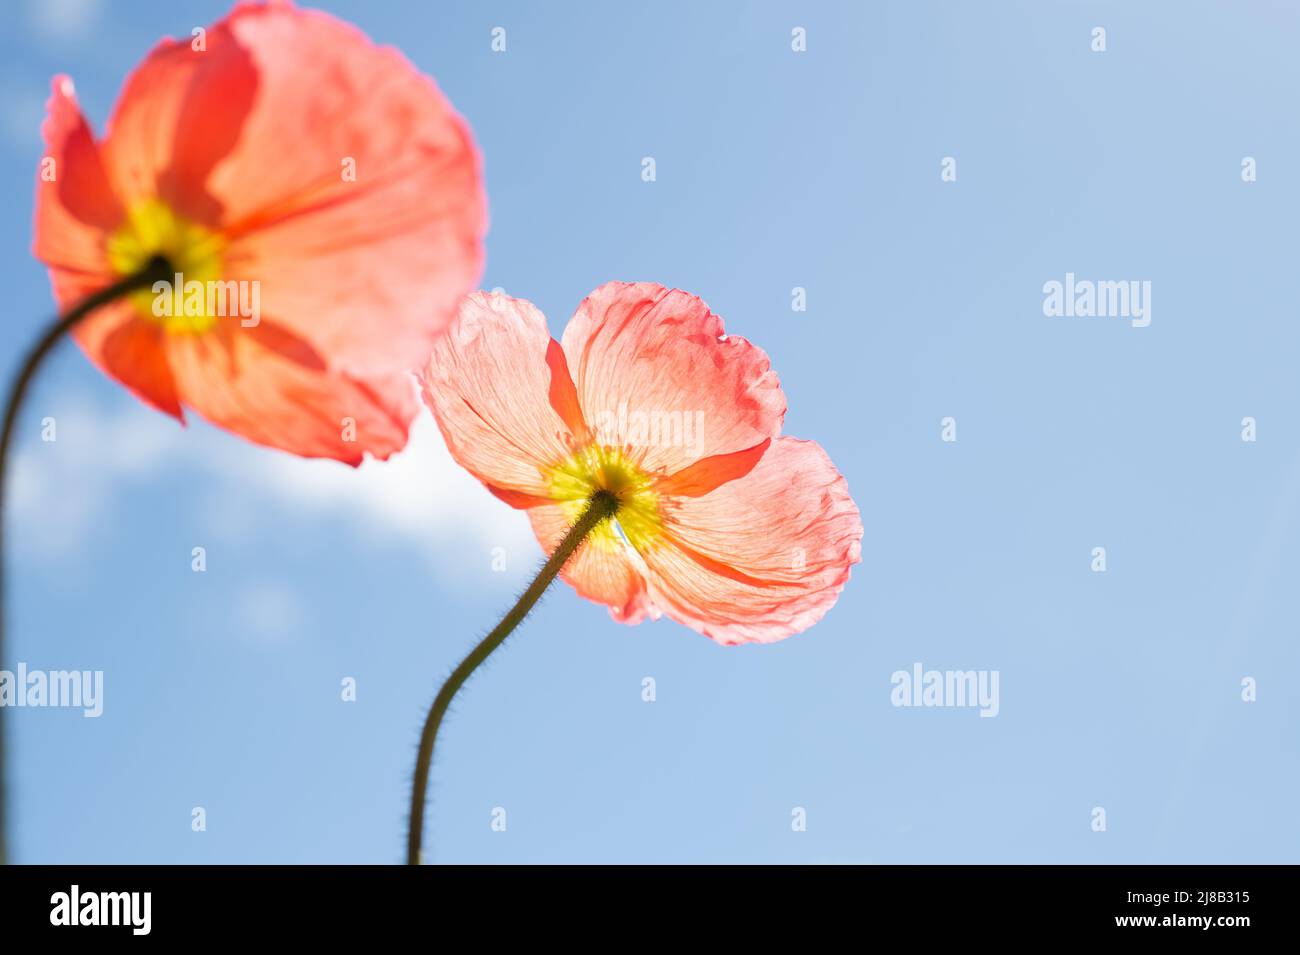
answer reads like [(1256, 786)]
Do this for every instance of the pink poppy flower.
[(722, 524), (285, 165)]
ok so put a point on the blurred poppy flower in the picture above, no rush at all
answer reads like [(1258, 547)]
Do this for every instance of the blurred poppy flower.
[(719, 522), (319, 202)]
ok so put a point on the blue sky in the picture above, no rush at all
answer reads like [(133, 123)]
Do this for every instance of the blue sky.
[(775, 169)]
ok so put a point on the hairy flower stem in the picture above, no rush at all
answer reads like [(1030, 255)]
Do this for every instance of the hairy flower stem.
[(156, 270), (601, 507)]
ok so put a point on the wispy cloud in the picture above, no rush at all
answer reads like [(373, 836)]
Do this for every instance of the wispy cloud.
[(63, 21), (420, 498), (270, 612)]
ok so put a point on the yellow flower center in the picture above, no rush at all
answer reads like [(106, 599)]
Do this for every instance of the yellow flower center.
[(152, 229), (596, 468)]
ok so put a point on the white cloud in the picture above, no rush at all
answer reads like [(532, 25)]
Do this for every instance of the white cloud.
[(63, 21), (63, 490), (421, 491), (269, 612), (60, 487)]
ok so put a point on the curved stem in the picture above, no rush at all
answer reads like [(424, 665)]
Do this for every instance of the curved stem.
[(601, 507), (156, 270)]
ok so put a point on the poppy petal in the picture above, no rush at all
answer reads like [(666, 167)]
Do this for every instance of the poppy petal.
[(760, 557), (353, 192), (74, 202), (489, 384), (655, 371), (135, 353), (140, 139), (601, 570), (122, 344), (250, 382)]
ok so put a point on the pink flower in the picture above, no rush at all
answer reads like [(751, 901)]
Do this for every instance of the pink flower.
[(283, 162), (722, 524)]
